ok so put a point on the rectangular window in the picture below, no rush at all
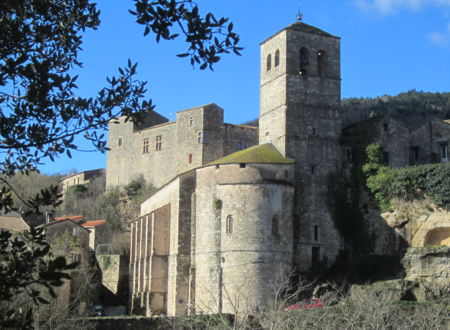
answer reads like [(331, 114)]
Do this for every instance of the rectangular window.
[(202, 137), (385, 158), (275, 231), (74, 231), (315, 256), (242, 144), (76, 257), (190, 159), (119, 142), (414, 155), (444, 152), (158, 145), (316, 233), (145, 147)]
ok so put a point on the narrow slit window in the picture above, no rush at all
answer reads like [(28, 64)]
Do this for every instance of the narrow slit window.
[(316, 233), (444, 152), (190, 159), (229, 225), (119, 142), (269, 62), (275, 228)]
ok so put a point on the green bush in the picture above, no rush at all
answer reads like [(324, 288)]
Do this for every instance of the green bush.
[(407, 183)]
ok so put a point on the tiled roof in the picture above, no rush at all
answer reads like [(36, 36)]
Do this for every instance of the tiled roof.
[(71, 217), (93, 223), (300, 26), (13, 224)]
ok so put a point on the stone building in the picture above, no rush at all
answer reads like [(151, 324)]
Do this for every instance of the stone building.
[(160, 150), (224, 226), (201, 235), (82, 178), (71, 240)]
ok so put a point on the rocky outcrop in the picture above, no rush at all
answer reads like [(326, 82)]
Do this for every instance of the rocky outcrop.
[(420, 223), (428, 268)]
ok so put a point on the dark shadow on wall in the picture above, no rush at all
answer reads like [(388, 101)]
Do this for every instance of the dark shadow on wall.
[(361, 227)]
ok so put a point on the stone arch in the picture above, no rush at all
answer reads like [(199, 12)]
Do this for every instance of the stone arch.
[(269, 62), (438, 236), (322, 59), (277, 58), (303, 60)]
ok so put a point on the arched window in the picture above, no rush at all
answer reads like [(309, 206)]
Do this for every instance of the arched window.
[(229, 225), (277, 58), (275, 230), (321, 63), (304, 60), (269, 62)]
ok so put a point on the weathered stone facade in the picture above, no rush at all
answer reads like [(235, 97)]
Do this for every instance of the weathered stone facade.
[(82, 178), (160, 150), (71, 240), (300, 115), (226, 231), (219, 232)]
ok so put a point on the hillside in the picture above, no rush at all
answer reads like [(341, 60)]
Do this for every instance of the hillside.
[(414, 108)]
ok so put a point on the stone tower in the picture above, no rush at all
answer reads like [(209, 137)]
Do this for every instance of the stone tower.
[(300, 115)]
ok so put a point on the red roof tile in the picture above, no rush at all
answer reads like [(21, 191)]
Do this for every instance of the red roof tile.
[(71, 217), (93, 223)]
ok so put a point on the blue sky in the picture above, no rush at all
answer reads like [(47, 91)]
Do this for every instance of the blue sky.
[(387, 47)]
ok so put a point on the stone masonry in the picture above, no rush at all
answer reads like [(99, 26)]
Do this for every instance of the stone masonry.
[(159, 150), (226, 224)]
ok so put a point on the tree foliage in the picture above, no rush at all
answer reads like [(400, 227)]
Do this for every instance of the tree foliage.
[(40, 111), (27, 268), (208, 37), (412, 107), (406, 183)]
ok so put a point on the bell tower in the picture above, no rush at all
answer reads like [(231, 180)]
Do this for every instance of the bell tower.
[(300, 95)]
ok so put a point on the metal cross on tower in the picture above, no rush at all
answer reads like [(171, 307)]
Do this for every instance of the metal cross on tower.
[(299, 15)]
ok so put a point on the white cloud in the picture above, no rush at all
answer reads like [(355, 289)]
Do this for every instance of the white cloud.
[(440, 38), (392, 6)]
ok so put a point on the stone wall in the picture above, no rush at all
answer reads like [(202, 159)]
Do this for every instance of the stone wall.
[(83, 178), (160, 250), (115, 274), (428, 140), (159, 152), (300, 101), (72, 241), (238, 252)]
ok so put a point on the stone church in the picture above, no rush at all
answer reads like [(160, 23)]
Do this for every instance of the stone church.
[(238, 206)]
